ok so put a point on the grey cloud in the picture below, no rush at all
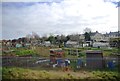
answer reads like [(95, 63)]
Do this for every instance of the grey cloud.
[(45, 19)]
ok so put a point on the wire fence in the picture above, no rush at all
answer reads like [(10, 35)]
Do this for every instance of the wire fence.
[(80, 63)]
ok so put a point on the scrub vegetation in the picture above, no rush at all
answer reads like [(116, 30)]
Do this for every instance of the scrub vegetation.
[(22, 73)]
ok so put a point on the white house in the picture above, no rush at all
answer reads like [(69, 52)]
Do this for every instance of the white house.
[(18, 45), (85, 45), (96, 36), (72, 44), (47, 43)]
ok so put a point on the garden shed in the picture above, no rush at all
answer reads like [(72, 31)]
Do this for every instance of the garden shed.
[(56, 54), (94, 59)]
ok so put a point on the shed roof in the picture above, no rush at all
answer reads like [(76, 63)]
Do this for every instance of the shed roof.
[(93, 52), (71, 42), (55, 49)]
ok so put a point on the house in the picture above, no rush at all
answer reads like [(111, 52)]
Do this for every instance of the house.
[(9, 44), (18, 45), (47, 43), (113, 34), (78, 38), (97, 37), (6, 43), (82, 37), (85, 44), (75, 37), (110, 36), (27, 45), (106, 37), (72, 44)]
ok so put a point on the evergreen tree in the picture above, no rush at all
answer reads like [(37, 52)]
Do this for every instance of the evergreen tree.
[(87, 36)]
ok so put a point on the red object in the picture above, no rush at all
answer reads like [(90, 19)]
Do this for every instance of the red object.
[(56, 53)]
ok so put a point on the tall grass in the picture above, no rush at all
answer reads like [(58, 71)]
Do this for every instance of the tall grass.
[(20, 73)]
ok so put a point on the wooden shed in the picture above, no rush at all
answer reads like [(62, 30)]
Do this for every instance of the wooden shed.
[(55, 54), (94, 59)]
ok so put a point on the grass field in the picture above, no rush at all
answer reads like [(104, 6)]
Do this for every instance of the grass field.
[(44, 51), (42, 73), (20, 73)]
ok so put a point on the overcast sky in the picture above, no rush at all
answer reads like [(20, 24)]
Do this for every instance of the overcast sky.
[(58, 17)]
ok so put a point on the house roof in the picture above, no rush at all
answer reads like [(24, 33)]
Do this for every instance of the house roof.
[(113, 33), (71, 42), (56, 49), (106, 35), (47, 42), (93, 33)]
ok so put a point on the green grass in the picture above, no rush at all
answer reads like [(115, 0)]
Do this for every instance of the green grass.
[(106, 75), (44, 51), (20, 73), (39, 51), (106, 51), (24, 52)]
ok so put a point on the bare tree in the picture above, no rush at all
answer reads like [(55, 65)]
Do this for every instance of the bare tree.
[(88, 30)]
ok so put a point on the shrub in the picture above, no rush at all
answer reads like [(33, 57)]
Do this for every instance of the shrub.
[(24, 52)]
